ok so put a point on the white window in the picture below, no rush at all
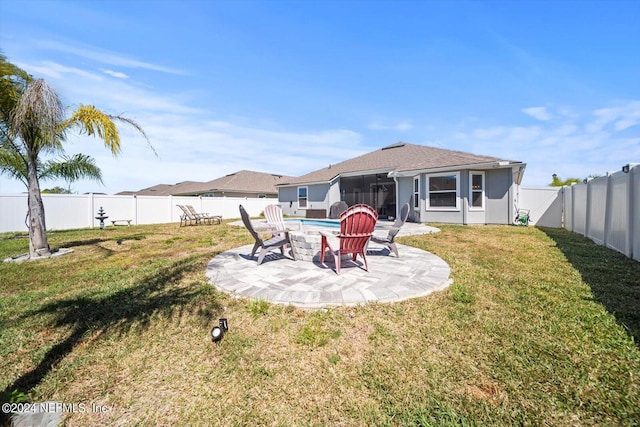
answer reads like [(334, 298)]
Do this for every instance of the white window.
[(302, 197), (416, 192), (444, 191), (476, 191)]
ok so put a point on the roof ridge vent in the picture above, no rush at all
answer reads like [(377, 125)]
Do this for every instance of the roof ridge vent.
[(396, 145)]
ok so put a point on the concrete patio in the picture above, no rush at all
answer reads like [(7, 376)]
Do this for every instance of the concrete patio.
[(310, 284)]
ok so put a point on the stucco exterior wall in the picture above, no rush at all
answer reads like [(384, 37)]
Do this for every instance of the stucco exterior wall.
[(499, 191), (498, 188), (317, 198), (288, 200), (499, 182)]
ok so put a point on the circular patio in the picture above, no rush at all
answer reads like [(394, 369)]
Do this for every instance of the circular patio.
[(310, 284)]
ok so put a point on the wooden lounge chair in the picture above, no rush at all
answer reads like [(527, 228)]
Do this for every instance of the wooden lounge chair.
[(388, 240), (276, 242), (356, 227), (205, 217)]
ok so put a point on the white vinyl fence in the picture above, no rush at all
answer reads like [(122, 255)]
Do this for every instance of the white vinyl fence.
[(605, 209), (67, 211)]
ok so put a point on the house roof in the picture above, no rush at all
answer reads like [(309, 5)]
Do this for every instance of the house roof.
[(399, 157), (243, 181), (156, 190)]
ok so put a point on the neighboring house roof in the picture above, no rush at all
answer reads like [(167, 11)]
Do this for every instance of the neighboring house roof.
[(156, 190), (398, 158), (243, 181)]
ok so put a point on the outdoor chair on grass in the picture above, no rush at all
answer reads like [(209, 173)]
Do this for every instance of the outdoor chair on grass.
[(187, 218), (356, 227), (205, 217), (266, 246), (388, 240)]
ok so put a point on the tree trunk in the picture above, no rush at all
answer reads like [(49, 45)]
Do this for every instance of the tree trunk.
[(38, 245)]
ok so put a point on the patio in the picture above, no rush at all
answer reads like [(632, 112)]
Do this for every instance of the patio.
[(310, 284)]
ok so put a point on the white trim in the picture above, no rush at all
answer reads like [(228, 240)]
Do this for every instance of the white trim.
[(416, 193), (306, 198), (471, 191), (485, 166), (443, 208)]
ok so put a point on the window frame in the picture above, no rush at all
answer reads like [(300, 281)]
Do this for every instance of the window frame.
[(416, 192), (472, 191), (455, 208), (305, 198)]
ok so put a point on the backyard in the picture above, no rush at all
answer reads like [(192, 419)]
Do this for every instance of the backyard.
[(540, 327)]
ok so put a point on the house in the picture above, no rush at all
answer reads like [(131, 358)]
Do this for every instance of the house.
[(440, 185), (243, 183)]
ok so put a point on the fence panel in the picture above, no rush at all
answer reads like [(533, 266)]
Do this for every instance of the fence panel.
[(67, 211), (579, 208), (544, 205), (618, 233), (597, 203), (157, 210), (13, 211)]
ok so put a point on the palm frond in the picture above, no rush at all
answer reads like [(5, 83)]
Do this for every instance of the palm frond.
[(13, 165), (88, 120), (71, 168), (136, 126), (37, 115)]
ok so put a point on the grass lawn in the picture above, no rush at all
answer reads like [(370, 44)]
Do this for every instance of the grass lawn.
[(540, 327)]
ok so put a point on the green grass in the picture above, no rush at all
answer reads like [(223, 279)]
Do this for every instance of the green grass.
[(540, 327)]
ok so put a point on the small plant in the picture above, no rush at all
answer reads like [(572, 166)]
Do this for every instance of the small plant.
[(334, 359), (258, 308), (316, 333), (461, 294), (14, 396)]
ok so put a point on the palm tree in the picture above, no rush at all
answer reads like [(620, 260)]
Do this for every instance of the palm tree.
[(32, 124)]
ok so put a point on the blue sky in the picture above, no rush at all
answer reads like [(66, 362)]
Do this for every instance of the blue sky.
[(292, 86)]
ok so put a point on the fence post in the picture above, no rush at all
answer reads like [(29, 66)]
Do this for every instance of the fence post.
[(91, 210), (631, 212), (587, 216), (573, 208), (608, 201), (134, 199)]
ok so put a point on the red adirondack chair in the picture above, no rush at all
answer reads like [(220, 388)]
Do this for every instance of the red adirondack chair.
[(356, 227)]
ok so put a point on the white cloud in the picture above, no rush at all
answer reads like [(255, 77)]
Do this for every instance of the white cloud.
[(116, 74), (622, 116), (190, 149), (570, 145), (539, 113), (56, 71), (104, 56)]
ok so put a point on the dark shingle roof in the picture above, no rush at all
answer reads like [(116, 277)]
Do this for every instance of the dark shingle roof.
[(399, 157)]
